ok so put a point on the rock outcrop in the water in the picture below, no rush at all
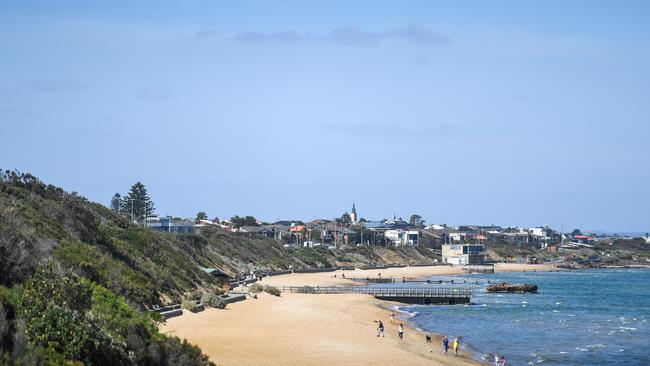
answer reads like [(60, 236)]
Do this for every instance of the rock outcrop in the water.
[(512, 287)]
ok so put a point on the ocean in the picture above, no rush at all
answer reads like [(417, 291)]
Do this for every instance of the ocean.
[(582, 317)]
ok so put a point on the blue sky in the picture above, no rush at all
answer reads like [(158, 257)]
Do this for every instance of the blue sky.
[(477, 112)]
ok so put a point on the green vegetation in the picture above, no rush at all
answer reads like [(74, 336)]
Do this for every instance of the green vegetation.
[(272, 290), (76, 277), (258, 287), (212, 300), (345, 219), (416, 220), (238, 222), (137, 204), (57, 317), (317, 257), (188, 304)]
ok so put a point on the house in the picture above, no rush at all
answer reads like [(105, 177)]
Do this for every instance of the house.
[(537, 231), (170, 224), (336, 233), (266, 231), (463, 254), (582, 239), (456, 236), (403, 237), (280, 231)]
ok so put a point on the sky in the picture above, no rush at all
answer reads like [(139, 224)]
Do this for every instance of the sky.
[(465, 112)]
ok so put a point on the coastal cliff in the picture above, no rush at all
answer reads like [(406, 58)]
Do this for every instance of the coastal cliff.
[(67, 263)]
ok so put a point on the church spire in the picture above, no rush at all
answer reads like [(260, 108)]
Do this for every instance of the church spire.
[(353, 215)]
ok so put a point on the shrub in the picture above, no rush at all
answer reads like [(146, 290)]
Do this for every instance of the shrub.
[(272, 290), (212, 300), (189, 305), (257, 288)]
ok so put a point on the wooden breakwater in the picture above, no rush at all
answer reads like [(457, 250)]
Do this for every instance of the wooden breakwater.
[(409, 295)]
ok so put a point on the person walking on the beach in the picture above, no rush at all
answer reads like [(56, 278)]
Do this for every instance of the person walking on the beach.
[(392, 318), (456, 344), (496, 359), (400, 331), (445, 345), (503, 360), (380, 329)]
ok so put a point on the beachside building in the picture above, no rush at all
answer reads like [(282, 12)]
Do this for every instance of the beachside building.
[(403, 237), (463, 253)]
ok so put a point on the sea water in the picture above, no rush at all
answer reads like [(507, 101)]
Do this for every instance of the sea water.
[(584, 317)]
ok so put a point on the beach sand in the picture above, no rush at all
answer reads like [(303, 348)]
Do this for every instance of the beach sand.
[(328, 279), (302, 329)]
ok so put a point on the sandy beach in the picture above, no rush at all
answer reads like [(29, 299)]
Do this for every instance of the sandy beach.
[(328, 279), (302, 329)]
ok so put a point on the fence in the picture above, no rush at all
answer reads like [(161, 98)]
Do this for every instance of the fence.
[(391, 292)]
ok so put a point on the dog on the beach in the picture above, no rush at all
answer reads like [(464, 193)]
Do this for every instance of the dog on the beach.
[(427, 338)]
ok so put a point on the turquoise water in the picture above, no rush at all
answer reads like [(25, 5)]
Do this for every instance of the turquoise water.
[(586, 317)]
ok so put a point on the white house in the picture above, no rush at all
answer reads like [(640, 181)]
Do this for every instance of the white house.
[(457, 236), (403, 237), (463, 253), (537, 232)]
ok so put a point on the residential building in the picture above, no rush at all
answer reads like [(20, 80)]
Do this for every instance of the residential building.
[(463, 254), (170, 224), (403, 237), (456, 236), (265, 230), (537, 231), (582, 239)]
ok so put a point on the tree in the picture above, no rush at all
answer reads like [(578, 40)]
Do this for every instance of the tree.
[(116, 202), (576, 232), (137, 204), (416, 220), (346, 219), (201, 216), (238, 222)]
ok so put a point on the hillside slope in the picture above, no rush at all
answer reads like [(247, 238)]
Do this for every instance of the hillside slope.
[(68, 268)]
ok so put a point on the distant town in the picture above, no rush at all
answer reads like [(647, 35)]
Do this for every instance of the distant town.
[(459, 245)]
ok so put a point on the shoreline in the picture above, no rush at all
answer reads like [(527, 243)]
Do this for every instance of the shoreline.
[(304, 329), (477, 354)]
